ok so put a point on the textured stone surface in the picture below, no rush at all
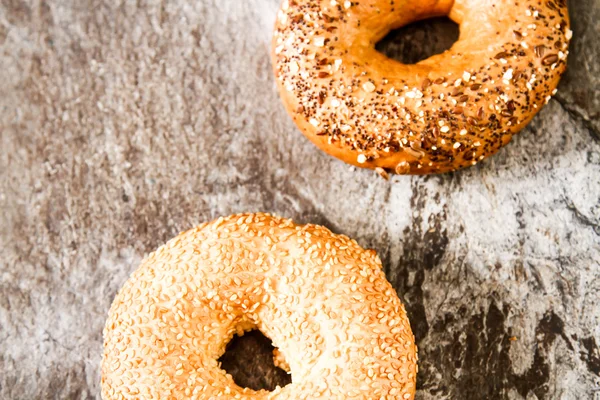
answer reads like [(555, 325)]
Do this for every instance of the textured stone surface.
[(125, 122)]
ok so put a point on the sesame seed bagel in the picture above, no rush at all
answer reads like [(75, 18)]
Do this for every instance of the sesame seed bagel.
[(323, 300), (441, 114)]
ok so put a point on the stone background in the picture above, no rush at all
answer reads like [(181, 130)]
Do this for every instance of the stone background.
[(124, 122)]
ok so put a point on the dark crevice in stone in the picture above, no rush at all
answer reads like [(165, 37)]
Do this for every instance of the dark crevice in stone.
[(422, 252), (578, 116), (592, 355), (478, 345), (582, 218), (537, 377)]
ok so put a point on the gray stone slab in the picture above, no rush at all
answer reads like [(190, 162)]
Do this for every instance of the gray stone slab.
[(125, 122)]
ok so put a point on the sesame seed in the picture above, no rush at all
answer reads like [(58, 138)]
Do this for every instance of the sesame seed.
[(383, 173), (550, 59), (402, 168), (368, 87)]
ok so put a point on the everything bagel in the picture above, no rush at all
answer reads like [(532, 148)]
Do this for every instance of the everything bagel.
[(322, 299), (441, 114)]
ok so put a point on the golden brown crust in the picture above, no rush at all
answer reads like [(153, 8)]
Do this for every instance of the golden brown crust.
[(441, 114), (322, 299)]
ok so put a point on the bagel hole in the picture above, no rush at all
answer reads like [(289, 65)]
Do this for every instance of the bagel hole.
[(249, 360), (420, 40)]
